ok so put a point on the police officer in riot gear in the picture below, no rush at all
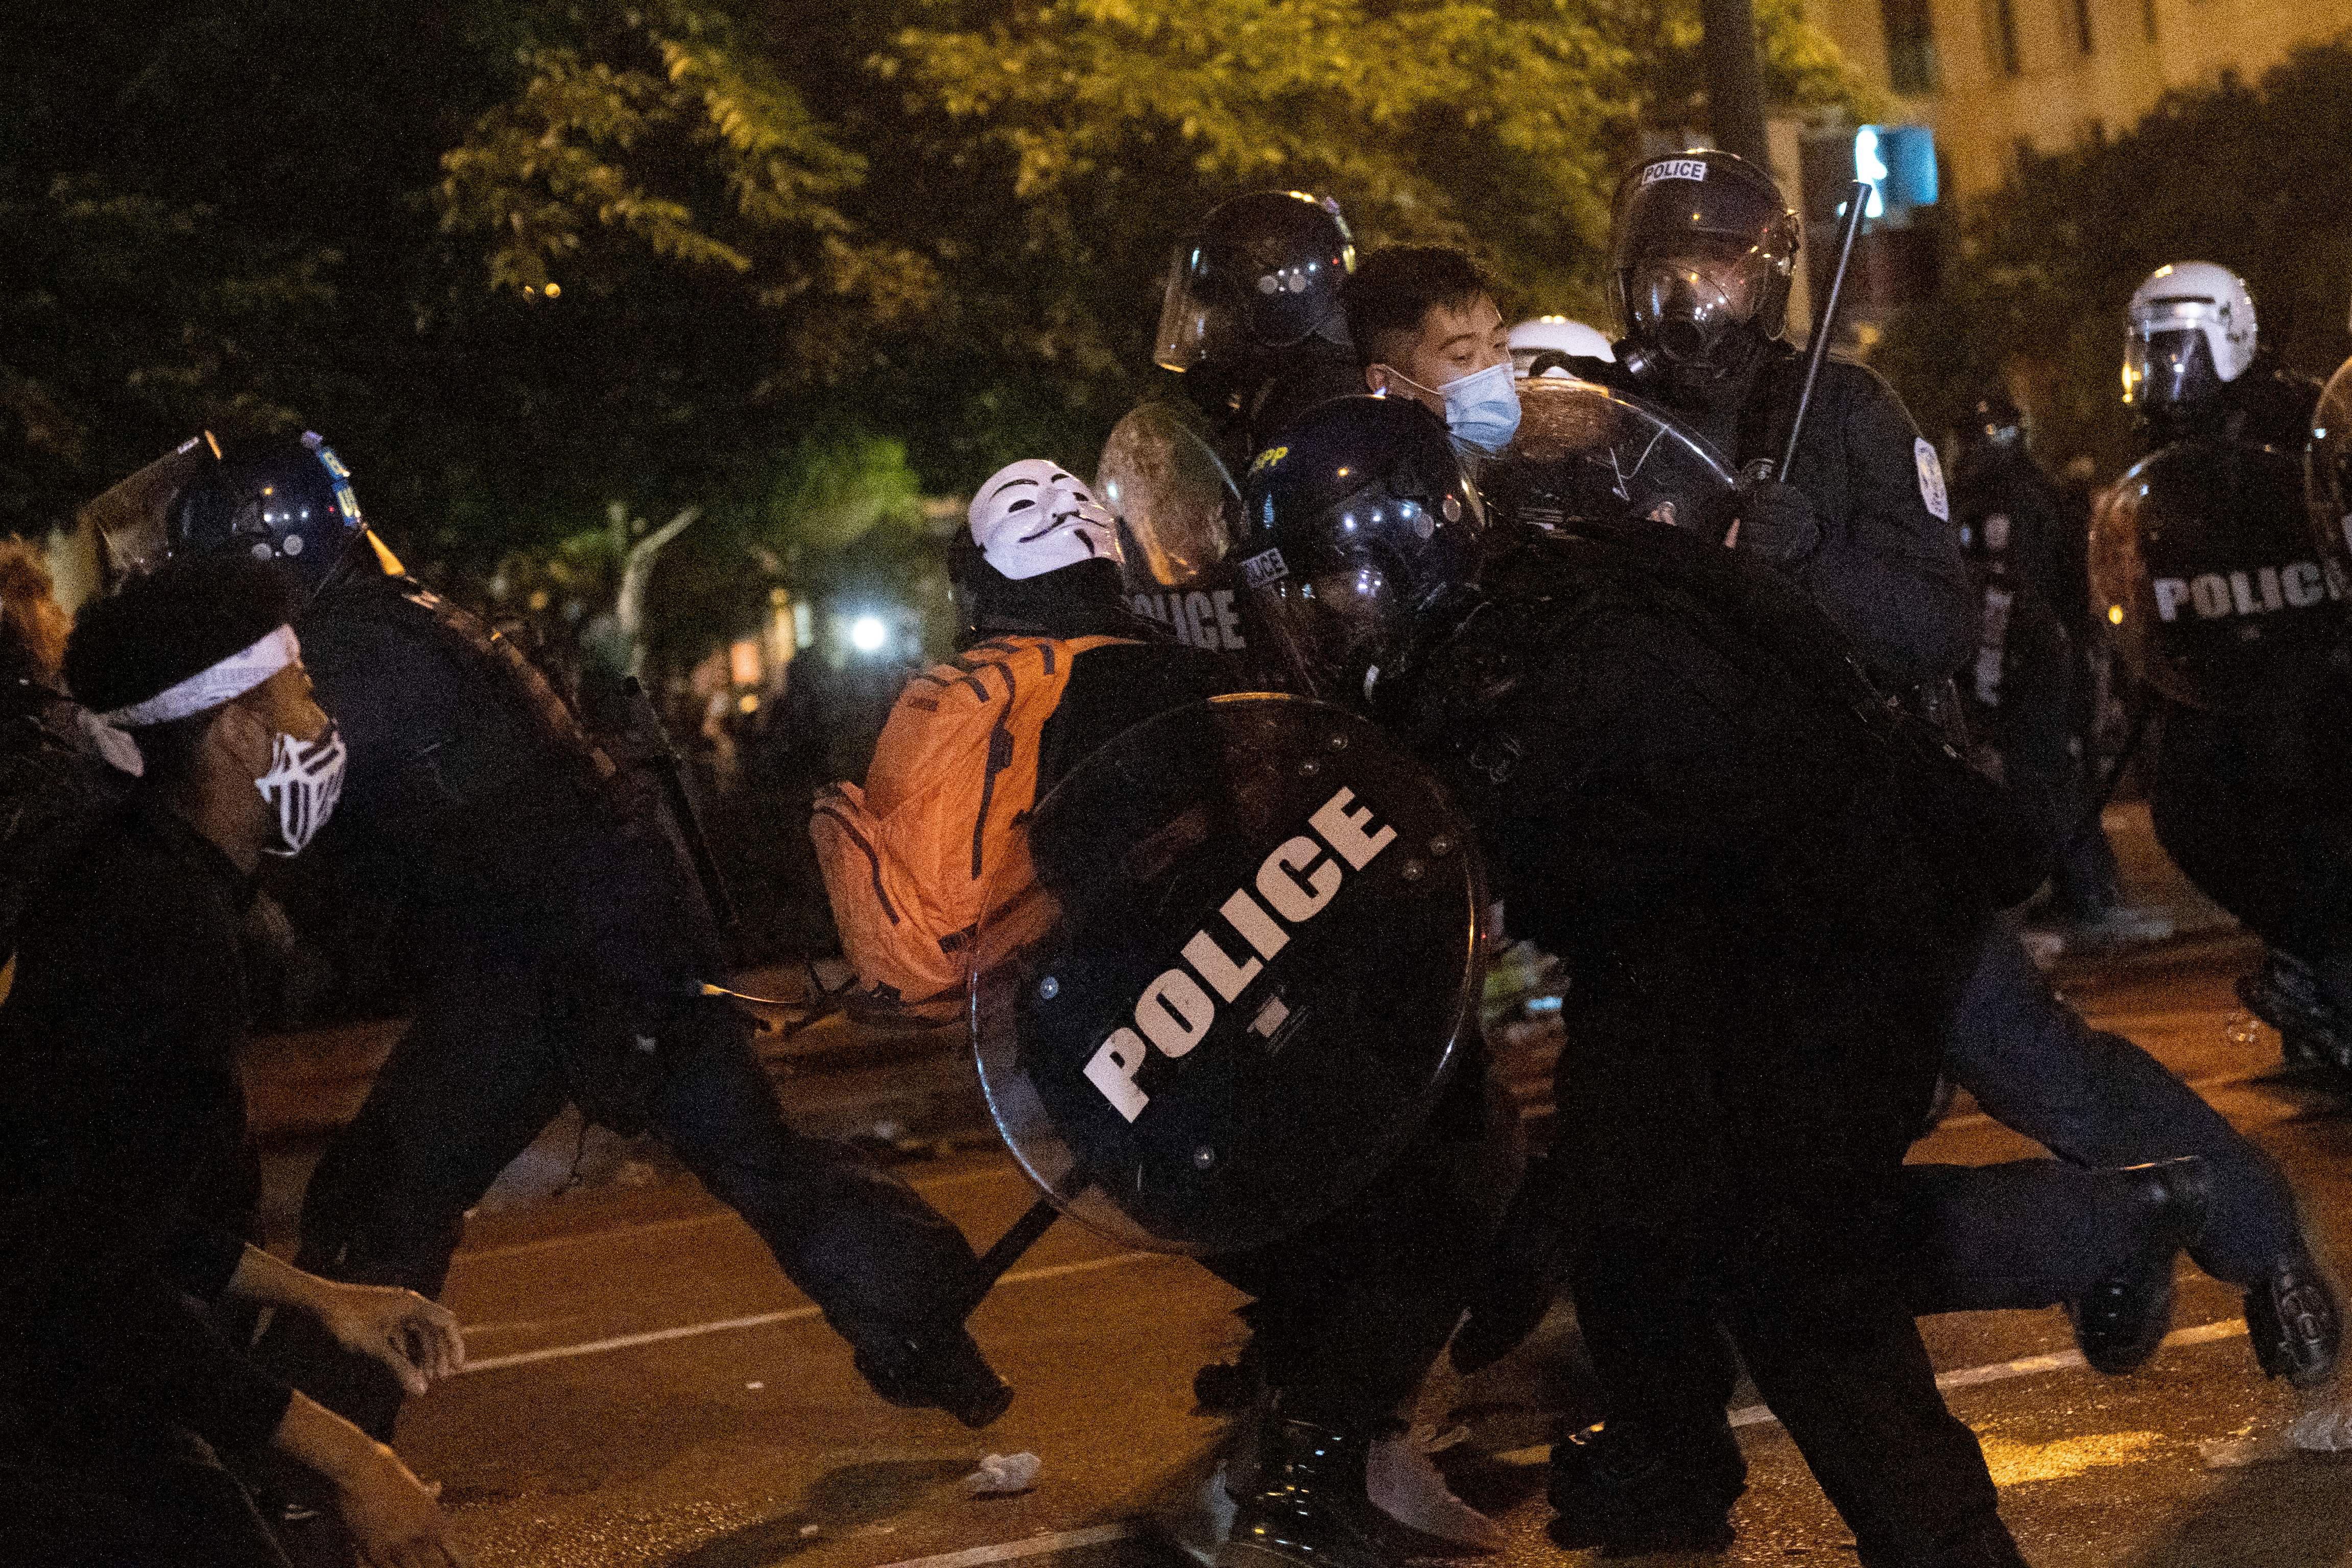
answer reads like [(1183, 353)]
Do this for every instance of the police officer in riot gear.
[(2238, 798), (2028, 691), (2194, 364), (1701, 253), (561, 941), (1252, 330), (1656, 742), (1252, 323)]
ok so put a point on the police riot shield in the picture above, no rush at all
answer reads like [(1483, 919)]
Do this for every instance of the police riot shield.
[(1585, 451), (1238, 977), (2203, 563), (1178, 511), (2327, 470), (129, 519)]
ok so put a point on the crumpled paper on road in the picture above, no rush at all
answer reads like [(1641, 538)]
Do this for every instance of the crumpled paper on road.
[(1003, 1475)]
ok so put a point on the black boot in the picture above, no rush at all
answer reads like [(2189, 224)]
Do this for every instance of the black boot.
[(2121, 1320), (1626, 1496), (1306, 1505), (2290, 996), (2292, 1316), (939, 1369)]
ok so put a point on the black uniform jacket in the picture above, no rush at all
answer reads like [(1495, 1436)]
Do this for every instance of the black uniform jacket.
[(54, 787), (1887, 569), (126, 1180), (1667, 753)]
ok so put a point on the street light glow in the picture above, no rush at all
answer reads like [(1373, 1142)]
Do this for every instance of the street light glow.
[(867, 634)]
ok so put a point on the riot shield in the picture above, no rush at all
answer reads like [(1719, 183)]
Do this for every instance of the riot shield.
[(2203, 563), (2327, 470), (1586, 451), (1178, 506), (1179, 514), (1239, 978), (129, 518)]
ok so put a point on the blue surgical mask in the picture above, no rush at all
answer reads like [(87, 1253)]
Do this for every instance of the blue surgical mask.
[(1482, 409)]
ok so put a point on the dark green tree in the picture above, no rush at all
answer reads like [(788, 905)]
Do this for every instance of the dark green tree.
[(2237, 175)]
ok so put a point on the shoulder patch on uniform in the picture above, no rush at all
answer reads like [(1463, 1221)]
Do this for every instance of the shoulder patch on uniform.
[(1931, 479)]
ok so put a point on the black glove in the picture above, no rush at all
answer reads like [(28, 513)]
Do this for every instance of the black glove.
[(1776, 524)]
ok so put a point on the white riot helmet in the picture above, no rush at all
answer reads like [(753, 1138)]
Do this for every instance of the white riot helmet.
[(1539, 334), (1033, 516), (2189, 332)]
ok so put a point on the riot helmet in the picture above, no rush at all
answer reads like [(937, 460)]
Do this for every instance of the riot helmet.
[(1561, 337), (1701, 252), (2188, 332), (1357, 529), (282, 499), (1259, 273)]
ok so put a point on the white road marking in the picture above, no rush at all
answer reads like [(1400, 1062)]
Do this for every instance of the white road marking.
[(1965, 1377), (1036, 1545), (761, 1319), (652, 1227)]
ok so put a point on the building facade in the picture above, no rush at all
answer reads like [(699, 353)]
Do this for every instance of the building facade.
[(2002, 79)]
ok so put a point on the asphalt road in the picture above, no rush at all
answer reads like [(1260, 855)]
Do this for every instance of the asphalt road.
[(647, 1389)]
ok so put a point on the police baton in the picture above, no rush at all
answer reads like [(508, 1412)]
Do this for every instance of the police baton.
[(1817, 348)]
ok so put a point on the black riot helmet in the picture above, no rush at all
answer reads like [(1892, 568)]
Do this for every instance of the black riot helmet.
[(282, 499), (277, 499), (1358, 530), (1259, 273), (1702, 247)]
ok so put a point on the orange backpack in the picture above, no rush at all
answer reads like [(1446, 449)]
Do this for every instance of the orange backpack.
[(910, 860)]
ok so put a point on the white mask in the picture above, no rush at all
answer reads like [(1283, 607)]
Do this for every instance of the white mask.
[(304, 781), (1033, 517)]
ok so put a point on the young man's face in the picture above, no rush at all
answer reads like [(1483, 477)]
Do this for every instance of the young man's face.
[(287, 704), (1452, 341)]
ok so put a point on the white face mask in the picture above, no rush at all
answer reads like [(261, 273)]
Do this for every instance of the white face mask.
[(304, 781)]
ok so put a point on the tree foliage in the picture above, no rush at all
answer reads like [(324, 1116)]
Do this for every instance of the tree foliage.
[(2236, 175), (785, 261)]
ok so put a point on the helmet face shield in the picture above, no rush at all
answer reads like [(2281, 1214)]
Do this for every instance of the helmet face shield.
[(1687, 299), (131, 518), (1700, 246), (1328, 629), (2169, 367), (1196, 324), (1262, 272)]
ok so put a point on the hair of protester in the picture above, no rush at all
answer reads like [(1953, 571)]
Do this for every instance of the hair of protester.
[(164, 626), (1393, 289), (25, 586)]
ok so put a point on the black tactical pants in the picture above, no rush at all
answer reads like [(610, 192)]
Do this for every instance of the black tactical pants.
[(2094, 1099), (1830, 1341), (2252, 810), (490, 1060), (1350, 1313)]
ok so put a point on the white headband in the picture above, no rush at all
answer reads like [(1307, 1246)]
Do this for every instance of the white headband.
[(206, 690)]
